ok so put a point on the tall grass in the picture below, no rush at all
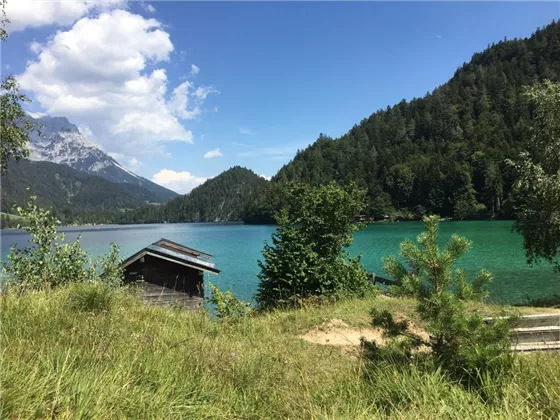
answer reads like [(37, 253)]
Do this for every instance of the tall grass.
[(74, 353)]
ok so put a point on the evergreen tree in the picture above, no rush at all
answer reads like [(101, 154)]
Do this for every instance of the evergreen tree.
[(307, 258), (463, 344)]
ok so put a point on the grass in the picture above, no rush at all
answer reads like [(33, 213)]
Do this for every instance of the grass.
[(77, 353)]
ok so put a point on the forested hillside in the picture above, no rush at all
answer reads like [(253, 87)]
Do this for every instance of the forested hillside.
[(219, 199), (443, 153), (73, 195)]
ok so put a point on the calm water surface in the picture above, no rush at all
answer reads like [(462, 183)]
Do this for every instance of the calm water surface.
[(236, 249)]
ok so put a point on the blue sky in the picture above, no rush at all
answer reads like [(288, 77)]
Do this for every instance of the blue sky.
[(268, 77)]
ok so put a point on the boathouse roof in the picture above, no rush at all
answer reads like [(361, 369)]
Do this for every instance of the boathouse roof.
[(172, 251)]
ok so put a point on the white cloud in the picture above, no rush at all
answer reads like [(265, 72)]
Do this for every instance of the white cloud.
[(438, 36), (203, 91), (35, 47), (32, 13), (213, 154), (148, 7), (181, 182), (246, 131), (194, 69), (128, 162), (180, 105), (36, 114), (82, 73), (86, 132), (268, 178), (134, 164)]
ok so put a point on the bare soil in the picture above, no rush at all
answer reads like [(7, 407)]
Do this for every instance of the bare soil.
[(337, 333)]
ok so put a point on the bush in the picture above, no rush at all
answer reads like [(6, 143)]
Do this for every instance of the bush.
[(464, 345), (307, 257), (50, 261), (227, 305)]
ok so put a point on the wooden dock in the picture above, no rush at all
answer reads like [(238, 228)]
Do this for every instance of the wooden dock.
[(536, 333)]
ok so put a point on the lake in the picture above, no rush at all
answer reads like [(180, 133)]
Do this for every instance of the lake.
[(237, 247)]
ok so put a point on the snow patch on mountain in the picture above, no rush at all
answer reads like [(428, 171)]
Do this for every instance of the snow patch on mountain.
[(64, 147)]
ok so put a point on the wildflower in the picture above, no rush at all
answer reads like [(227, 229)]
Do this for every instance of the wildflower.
[(232, 354)]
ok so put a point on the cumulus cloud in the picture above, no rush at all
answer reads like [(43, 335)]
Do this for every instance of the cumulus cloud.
[(213, 154), (181, 182), (82, 73), (32, 13), (246, 131), (268, 178), (185, 102), (148, 7), (194, 69)]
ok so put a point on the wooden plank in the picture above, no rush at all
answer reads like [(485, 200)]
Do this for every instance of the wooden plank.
[(378, 279)]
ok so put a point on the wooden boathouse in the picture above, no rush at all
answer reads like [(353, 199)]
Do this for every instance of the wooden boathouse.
[(169, 273)]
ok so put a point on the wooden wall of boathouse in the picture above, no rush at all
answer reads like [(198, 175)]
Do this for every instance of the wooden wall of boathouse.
[(165, 282)]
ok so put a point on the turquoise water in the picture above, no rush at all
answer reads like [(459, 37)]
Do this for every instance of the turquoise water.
[(236, 249)]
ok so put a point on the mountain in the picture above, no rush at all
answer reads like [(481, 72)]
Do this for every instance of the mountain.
[(61, 142), (73, 195), (222, 198), (443, 153)]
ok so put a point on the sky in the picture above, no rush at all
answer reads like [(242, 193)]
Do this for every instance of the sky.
[(181, 91)]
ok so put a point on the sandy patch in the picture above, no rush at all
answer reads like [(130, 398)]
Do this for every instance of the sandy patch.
[(337, 333)]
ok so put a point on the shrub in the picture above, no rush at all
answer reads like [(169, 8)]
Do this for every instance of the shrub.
[(466, 346), (227, 305), (110, 267), (50, 261), (307, 258)]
